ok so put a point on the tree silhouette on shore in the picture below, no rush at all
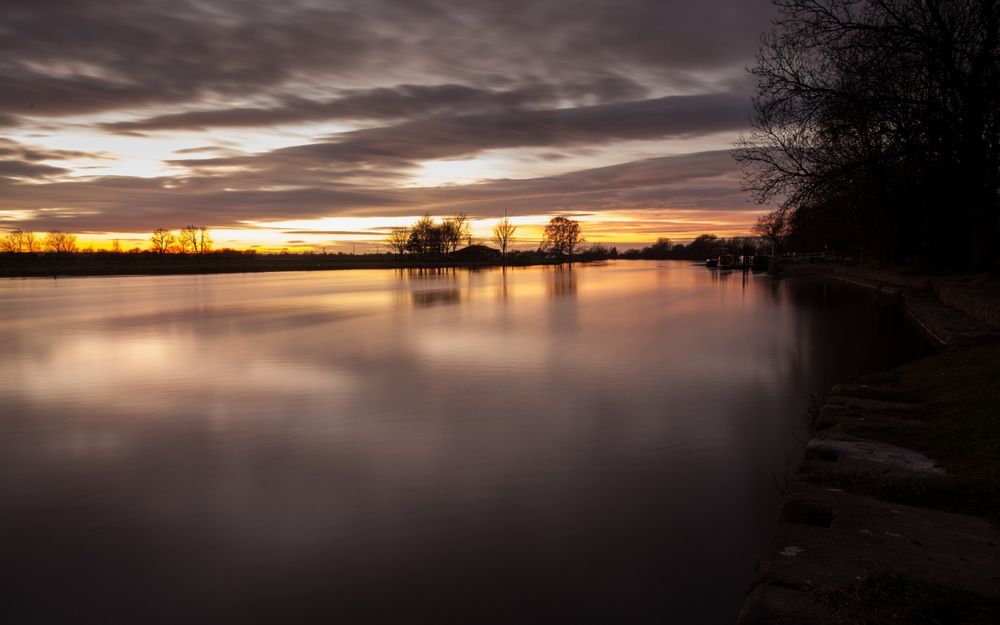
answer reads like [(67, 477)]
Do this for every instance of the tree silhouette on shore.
[(503, 235), (877, 122), (561, 236)]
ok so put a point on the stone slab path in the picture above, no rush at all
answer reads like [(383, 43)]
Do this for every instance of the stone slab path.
[(827, 537)]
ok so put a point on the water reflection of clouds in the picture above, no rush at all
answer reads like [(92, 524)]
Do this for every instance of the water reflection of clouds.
[(142, 371), (332, 423), (487, 348)]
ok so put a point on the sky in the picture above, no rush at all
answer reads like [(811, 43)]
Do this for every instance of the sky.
[(309, 124)]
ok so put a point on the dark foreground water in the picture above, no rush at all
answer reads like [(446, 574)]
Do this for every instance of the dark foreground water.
[(541, 445)]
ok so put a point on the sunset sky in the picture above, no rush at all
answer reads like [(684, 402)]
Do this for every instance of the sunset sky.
[(311, 123)]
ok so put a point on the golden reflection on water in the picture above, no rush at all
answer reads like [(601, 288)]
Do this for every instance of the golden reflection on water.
[(401, 436)]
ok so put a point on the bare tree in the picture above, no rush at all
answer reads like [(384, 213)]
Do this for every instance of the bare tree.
[(882, 119), (161, 241), (561, 236), (116, 246), (397, 240), (194, 239), (203, 240), (185, 239), (11, 241), (30, 242), (60, 242), (454, 231), (426, 238), (19, 241), (772, 228), (663, 245), (503, 235)]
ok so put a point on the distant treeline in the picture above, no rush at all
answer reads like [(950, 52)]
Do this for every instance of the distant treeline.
[(703, 247), (427, 243), (92, 263), (106, 262), (430, 239), (877, 128), (188, 240), (26, 241)]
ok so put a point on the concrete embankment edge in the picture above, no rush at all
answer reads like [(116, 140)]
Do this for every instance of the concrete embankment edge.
[(827, 537)]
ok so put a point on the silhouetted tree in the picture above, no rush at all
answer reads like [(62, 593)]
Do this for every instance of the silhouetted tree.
[(454, 231), (11, 242), (660, 249), (195, 239), (704, 246), (397, 240), (561, 236), (426, 238), (19, 241), (772, 228), (503, 235), (203, 240), (599, 251), (884, 113), (185, 239), (60, 242), (818, 226), (161, 241)]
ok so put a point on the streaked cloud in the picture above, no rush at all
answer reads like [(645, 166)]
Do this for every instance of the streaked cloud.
[(702, 181), (231, 113)]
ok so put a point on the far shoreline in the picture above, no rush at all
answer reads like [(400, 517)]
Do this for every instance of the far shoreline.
[(97, 264)]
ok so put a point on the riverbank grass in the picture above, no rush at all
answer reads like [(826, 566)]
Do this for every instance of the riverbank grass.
[(958, 426), (900, 599)]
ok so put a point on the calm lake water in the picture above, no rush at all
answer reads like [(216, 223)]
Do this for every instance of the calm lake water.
[(541, 445)]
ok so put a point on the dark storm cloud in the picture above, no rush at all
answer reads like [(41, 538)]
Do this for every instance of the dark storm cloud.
[(11, 148), (21, 169), (704, 180), (62, 58), (65, 57), (387, 103), (21, 161), (403, 145), (442, 79), (127, 204), (661, 171), (203, 149), (696, 181)]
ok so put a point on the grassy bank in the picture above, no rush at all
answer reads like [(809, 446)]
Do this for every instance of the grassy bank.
[(901, 599), (958, 425), (902, 478), (958, 390)]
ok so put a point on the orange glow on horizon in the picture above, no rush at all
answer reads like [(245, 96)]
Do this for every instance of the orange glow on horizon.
[(367, 234)]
